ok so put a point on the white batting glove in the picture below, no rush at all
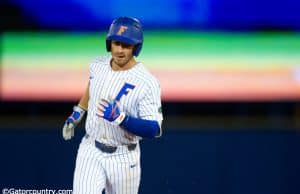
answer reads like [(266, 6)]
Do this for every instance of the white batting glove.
[(72, 121)]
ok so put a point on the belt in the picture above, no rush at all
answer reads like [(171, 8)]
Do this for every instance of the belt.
[(110, 149)]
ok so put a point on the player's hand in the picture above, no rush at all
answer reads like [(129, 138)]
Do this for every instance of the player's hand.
[(110, 111), (71, 122)]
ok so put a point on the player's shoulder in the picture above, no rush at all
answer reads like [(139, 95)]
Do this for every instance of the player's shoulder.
[(100, 61), (146, 76)]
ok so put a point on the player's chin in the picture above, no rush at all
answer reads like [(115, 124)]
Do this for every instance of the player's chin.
[(120, 61)]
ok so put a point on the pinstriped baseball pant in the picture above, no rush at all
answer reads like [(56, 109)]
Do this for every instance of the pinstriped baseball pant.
[(117, 173)]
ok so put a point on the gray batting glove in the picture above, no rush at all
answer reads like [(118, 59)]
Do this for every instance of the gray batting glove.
[(72, 121)]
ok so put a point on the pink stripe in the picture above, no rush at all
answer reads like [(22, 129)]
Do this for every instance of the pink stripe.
[(24, 84)]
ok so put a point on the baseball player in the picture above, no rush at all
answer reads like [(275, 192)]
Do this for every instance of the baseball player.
[(123, 106)]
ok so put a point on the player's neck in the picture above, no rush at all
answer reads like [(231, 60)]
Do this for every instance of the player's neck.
[(123, 67)]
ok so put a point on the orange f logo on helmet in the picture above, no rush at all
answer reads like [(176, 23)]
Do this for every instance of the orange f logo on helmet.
[(122, 29)]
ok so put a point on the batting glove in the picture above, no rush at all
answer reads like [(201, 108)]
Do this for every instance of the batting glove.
[(72, 121), (110, 111)]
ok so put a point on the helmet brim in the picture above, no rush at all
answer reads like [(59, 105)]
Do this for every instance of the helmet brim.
[(123, 39)]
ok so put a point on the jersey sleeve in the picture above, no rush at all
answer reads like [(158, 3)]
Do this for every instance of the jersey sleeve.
[(149, 107)]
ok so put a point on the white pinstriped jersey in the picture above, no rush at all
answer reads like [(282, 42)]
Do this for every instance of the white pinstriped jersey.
[(143, 101)]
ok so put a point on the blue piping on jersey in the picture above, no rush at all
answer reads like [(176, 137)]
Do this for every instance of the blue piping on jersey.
[(141, 127)]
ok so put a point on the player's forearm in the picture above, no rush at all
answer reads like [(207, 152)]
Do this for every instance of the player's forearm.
[(141, 127), (83, 103)]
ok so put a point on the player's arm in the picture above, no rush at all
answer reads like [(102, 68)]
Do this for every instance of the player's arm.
[(84, 100), (77, 115), (148, 124), (141, 127), (149, 120)]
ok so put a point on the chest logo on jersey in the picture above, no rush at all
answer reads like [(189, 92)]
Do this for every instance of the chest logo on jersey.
[(124, 91)]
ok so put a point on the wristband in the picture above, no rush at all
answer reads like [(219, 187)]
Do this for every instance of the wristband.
[(119, 119)]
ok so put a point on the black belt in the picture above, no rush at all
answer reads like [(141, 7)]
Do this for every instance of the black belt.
[(110, 149)]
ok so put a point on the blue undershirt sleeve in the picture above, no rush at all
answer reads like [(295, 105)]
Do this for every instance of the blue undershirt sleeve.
[(141, 127)]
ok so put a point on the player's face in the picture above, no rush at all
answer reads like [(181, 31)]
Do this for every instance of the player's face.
[(122, 54)]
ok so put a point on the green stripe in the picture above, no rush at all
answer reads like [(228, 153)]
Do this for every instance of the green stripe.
[(162, 49)]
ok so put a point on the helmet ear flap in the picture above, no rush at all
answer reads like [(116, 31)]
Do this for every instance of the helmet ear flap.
[(108, 45), (137, 49)]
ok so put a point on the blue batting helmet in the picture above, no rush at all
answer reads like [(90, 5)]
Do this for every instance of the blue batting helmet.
[(128, 30)]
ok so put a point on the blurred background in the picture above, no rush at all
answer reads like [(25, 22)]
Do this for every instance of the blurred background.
[(230, 78)]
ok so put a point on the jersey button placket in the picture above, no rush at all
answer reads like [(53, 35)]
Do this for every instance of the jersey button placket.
[(104, 94)]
